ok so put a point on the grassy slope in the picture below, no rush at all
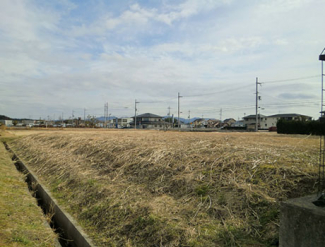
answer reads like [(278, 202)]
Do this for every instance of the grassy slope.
[(174, 189), (21, 220)]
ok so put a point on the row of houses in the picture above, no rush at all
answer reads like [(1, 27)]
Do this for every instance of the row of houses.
[(10, 122), (152, 121), (149, 120)]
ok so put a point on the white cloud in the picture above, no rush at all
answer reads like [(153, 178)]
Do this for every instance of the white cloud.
[(63, 61), (140, 17), (277, 6)]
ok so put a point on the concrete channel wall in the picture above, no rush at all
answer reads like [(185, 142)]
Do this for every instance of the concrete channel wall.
[(62, 221), (302, 224)]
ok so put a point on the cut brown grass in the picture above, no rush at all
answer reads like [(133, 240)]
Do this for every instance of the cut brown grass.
[(150, 188)]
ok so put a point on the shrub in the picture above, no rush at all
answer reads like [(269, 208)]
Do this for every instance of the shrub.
[(314, 127)]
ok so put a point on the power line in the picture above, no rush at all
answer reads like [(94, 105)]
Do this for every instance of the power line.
[(157, 101), (293, 79), (222, 91), (289, 104)]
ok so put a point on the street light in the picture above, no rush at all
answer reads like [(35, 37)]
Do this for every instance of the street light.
[(322, 58), (321, 169)]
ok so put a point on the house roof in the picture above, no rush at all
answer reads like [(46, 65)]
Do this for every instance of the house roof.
[(253, 116), (149, 115), (229, 119), (288, 115), (284, 115)]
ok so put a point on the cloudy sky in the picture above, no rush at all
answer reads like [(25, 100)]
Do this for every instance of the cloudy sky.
[(64, 56)]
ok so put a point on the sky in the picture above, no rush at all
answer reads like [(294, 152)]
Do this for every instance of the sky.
[(70, 57)]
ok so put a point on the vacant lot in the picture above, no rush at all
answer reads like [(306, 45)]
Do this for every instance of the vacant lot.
[(151, 188)]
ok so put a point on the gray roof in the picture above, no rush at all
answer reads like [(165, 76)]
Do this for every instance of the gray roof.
[(288, 115), (284, 115), (149, 115), (254, 116)]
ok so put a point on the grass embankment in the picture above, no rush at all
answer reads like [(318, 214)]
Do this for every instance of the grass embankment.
[(146, 188), (22, 222)]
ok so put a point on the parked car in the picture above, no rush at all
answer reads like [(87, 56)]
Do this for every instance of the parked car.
[(273, 128)]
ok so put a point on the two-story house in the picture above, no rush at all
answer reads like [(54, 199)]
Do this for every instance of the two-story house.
[(150, 121)]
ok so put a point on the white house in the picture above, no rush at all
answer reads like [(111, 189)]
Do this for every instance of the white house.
[(250, 120), (7, 122), (124, 122), (239, 123), (265, 122)]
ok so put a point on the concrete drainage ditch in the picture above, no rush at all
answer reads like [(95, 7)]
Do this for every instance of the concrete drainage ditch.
[(71, 234)]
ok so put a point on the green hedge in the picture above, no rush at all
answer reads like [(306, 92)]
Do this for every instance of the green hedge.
[(314, 127)]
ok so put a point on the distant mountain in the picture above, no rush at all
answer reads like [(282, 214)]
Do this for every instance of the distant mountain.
[(103, 118), (3, 117)]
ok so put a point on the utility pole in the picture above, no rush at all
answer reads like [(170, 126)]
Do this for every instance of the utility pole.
[(257, 99), (85, 116), (221, 114), (189, 118), (135, 113), (106, 113), (179, 96), (62, 118), (168, 114), (72, 118)]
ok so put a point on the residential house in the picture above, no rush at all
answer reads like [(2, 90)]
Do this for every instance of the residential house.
[(212, 123), (250, 121), (239, 123), (27, 122), (228, 122), (7, 123), (124, 122), (150, 121), (290, 116), (112, 123), (199, 123), (265, 122)]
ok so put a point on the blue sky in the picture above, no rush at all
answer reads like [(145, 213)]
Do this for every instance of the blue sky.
[(63, 56)]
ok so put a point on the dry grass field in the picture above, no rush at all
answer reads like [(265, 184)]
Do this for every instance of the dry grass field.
[(154, 188)]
